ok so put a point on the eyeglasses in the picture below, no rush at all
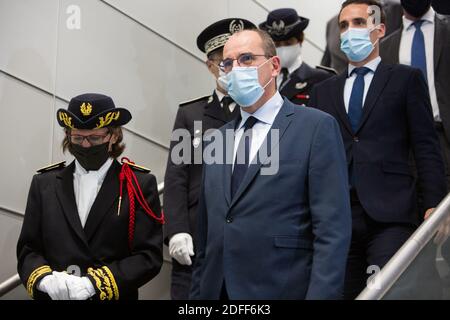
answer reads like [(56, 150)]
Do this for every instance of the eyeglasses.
[(93, 139), (245, 59)]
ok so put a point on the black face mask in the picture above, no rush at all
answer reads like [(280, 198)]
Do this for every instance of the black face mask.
[(416, 8), (91, 158)]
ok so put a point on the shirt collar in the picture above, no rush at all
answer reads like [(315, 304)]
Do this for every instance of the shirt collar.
[(220, 95), (267, 113), (372, 65), (100, 173), (428, 17)]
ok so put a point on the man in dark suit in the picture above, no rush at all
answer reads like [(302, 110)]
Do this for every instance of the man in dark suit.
[(79, 219), (385, 117), (274, 212), (182, 180), (432, 38), (297, 78), (333, 56), (441, 6)]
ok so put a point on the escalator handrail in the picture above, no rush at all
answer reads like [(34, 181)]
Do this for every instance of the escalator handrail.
[(391, 272)]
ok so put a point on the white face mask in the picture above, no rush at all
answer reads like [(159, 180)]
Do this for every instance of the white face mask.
[(222, 80), (289, 54)]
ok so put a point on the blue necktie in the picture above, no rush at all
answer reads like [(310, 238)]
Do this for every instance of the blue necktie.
[(356, 99), (244, 146), (418, 56)]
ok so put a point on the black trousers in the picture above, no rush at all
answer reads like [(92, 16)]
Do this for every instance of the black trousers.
[(373, 244), (445, 149), (181, 280)]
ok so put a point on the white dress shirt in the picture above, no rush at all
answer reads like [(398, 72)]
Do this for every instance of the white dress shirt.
[(86, 185), (220, 96), (372, 65), (297, 64), (266, 116), (428, 29)]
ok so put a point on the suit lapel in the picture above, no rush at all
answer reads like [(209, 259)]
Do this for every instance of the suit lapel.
[(395, 49), (440, 33), (66, 196), (339, 100), (228, 151), (379, 81), (106, 197), (281, 123)]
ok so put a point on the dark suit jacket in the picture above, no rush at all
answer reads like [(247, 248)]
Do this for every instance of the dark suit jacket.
[(298, 88), (389, 51), (333, 56), (397, 122), (53, 238), (182, 181), (284, 235)]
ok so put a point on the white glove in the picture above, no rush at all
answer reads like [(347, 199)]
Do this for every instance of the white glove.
[(181, 248), (55, 286), (80, 288)]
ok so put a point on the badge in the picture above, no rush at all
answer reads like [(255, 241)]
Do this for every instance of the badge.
[(301, 85), (196, 142), (211, 99)]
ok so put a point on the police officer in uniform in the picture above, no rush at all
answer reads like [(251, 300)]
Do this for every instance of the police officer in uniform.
[(93, 229), (297, 78), (182, 181)]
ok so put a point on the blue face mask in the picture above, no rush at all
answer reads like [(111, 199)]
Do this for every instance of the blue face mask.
[(356, 44), (243, 85)]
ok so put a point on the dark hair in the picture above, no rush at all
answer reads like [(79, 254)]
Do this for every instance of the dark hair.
[(369, 3), (116, 149), (300, 37)]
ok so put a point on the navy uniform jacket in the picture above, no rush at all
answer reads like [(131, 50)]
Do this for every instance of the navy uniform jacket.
[(298, 88), (182, 181), (285, 235), (397, 124), (53, 239)]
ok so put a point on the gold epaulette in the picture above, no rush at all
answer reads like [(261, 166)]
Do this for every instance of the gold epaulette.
[(328, 69), (195, 100), (51, 167), (137, 167)]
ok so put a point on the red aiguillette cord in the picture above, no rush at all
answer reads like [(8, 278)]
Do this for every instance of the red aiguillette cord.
[(134, 192)]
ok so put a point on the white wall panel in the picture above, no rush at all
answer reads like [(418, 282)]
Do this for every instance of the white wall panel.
[(25, 138), (28, 39), (179, 21), (138, 69), (9, 233)]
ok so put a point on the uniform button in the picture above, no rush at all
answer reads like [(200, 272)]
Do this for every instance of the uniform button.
[(356, 139), (229, 219)]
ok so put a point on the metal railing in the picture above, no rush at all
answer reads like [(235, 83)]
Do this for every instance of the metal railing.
[(13, 282), (391, 272)]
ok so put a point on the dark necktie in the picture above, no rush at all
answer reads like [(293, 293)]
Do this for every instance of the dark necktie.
[(356, 99), (243, 151), (418, 56), (226, 101), (284, 76)]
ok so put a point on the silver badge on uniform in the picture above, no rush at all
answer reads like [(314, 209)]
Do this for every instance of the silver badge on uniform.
[(301, 85), (196, 142), (211, 99)]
